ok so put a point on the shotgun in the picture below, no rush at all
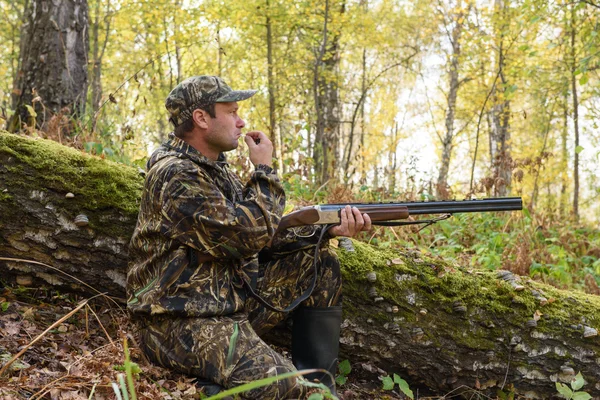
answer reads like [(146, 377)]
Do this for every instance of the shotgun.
[(392, 214), (386, 214)]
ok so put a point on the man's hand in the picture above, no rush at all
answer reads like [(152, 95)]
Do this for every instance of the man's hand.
[(352, 223), (261, 148)]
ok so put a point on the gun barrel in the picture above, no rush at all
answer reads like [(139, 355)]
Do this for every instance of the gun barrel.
[(445, 206)]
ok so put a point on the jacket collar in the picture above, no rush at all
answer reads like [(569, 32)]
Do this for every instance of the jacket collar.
[(185, 150)]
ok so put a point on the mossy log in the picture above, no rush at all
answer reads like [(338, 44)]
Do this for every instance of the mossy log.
[(439, 325)]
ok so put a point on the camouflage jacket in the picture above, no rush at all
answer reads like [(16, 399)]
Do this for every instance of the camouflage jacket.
[(193, 206)]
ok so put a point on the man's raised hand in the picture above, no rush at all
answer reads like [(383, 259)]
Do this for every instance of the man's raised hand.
[(260, 147)]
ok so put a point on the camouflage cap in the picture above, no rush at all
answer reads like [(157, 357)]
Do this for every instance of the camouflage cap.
[(200, 92)]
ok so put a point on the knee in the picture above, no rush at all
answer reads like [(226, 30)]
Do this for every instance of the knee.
[(330, 268)]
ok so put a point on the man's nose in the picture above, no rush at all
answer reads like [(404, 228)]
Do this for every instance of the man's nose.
[(240, 123)]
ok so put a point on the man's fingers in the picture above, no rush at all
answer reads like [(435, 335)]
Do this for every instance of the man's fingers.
[(360, 222), (249, 141), (351, 220), (344, 219), (258, 135), (367, 219)]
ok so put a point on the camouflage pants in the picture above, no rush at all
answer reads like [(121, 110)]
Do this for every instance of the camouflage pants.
[(228, 350)]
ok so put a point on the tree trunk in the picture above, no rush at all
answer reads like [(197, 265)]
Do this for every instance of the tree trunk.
[(575, 117), (97, 56), (538, 168), (360, 106), (499, 117), (442, 189), (392, 160), (564, 157), (220, 51), (53, 62), (37, 220), (437, 325), (326, 97), (16, 45), (275, 135)]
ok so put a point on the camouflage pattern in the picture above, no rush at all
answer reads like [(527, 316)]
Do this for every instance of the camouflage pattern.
[(288, 275), (192, 206), (195, 315), (200, 92), (228, 350)]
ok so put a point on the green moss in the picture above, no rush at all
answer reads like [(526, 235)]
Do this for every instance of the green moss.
[(415, 281), (96, 183)]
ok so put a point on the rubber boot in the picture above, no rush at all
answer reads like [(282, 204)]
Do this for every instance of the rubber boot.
[(316, 341)]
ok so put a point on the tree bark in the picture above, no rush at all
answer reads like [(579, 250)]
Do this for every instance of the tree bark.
[(53, 78), (564, 156), (442, 189), (437, 325), (16, 44), (274, 133), (326, 98), (499, 115), (575, 116), (97, 56)]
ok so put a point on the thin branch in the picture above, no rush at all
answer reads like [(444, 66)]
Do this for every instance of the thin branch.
[(41, 335)]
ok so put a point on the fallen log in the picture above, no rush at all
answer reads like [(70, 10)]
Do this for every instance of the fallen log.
[(439, 325)]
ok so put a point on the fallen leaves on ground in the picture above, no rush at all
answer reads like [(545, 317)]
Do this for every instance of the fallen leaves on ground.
[(85, 353)]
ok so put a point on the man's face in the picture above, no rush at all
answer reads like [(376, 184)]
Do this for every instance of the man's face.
[(225, 129)]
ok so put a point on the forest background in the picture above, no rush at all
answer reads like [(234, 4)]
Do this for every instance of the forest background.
[(369, 100)]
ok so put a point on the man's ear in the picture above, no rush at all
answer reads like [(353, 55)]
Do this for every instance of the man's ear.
[(201, 118)]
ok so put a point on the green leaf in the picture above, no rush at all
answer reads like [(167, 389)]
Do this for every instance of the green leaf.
[(535, 19), (581, 396), (388, 383), (345, 367), (578, 382), (5, 305), (403, 386), (578, 149), (315, 396), (340, 380), (135, 368), (564, 390), (232, 345), (511, 89), (584, 79), (397, 378), (31, 111)]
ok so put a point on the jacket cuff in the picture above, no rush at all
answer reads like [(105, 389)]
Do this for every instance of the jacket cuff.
[(265, 168)]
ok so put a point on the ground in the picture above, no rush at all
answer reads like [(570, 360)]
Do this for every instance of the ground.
[(84, 353)]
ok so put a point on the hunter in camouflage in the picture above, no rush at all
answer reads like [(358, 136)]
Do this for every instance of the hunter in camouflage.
[(199, 249)]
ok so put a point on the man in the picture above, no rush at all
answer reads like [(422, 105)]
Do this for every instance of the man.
[(196, 288)]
